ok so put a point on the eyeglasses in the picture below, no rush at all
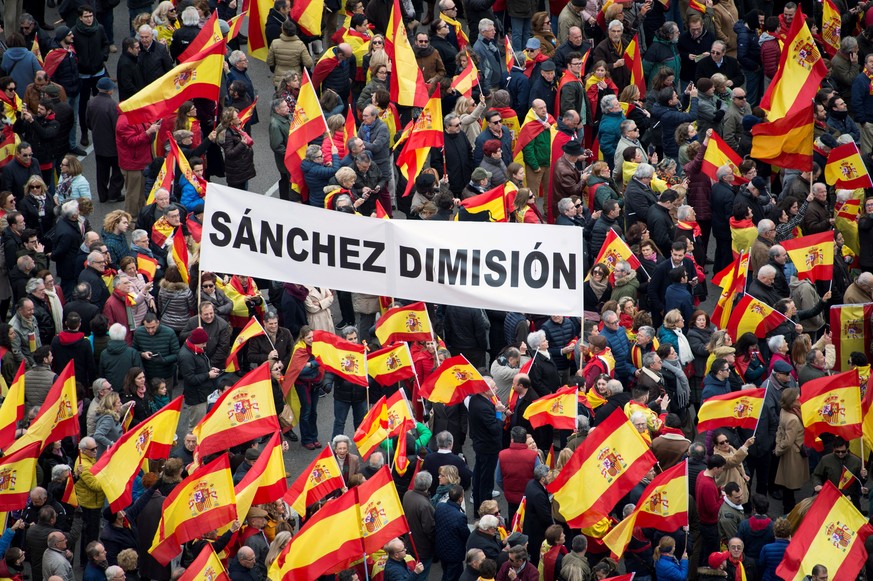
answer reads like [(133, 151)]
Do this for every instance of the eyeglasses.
[(425, 41), (741, 97), (94, 449), (725, 369), (596, 273), (579, 205), (575, 64), (32, 187), (841, 452), (377, 42), (722, 442), (208, 286), (498, 122)]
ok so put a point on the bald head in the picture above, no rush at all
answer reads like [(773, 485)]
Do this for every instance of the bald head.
[(346, 49), (246, 557)]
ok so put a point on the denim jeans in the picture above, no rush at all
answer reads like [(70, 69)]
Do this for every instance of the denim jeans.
[(308, 413), (73, 102), (520, 33), (341, 413)]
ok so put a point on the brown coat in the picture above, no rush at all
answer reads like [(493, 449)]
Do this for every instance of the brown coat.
[(670, 449), (432, 67), (567, 182), (733, 470), (855, 295), (724, 15), (793, 471), (760, 254)]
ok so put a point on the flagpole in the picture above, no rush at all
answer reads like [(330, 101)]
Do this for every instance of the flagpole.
[(199, 293)]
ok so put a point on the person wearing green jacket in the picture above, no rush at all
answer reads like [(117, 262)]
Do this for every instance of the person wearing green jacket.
[(663, 53), (537, 152), (280, 122)]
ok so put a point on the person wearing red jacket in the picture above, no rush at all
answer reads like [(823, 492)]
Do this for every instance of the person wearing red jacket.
[(709, 499), (134, 155), (515, 467)]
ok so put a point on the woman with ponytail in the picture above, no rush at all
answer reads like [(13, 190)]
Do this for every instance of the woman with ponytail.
[(667, 566)]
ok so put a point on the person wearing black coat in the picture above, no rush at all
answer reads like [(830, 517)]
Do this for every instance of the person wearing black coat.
[(67, 239), (99, 292), (197, 374), (275, 17), (154, 59), (538, 511), (609, 220), (543, 86), (662, 230), (544, 376), (67, 72), (41, 131), (657, 288), (182, 38), (129, 74), (729, 67), (466, 332), (722, 198), (614, 402), (16, 173), (71, 345), (66, 119), (92, 50), (457, 155), (115, 536), (40, 219), (452, 533), (485, 432)]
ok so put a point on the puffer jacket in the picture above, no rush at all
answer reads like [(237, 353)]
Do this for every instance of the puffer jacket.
[(176, 304), (769, 559), (559, 336), (668, 568), (662, 53), (239, 158), (317, 176), (287, 53), (88, 490), (748, 49), (165, 342), (618, 342), (770, 54)]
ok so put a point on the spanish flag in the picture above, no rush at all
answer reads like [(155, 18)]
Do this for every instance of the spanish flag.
[(207, 565), (737, 409), (265, 481), (743, 234), (390, 364), (350, 129), (19, 475), (210, 34), (12, 409), (398, 413), (246, 114), (426, 132), (373, 429), (151, 439), (832, 405), (615, 249), (634, 62), (161, 231), (732, 281), (557, 410), (719, 153), (382, 516), (34, 48), (344, 358), (832, 534), (463, 40), (199, 77), (407, 83), (518, 519), (867, 419), (180, 255), (244, 412), (235, 24), (508, 54), (146, 266), (750, 315), (603, 469), (258, 11), (601, 16), (185, 170), (468, 78), (801, 70), (496, 202), (69, 494), (406, 323), (786, 142), (307, 15), (201, 503), (846, 478), (851, 328), (252, 329), (320, 478), (380, 211), (831, 23), (307, 124), (812, 255), (531, 128), (454, 380), (663, 506), (58, 416), (845, 168)]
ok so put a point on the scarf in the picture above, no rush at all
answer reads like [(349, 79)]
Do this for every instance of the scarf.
[(40, 200), (869, 75), (683, 390), (674, 431), (598, 287), (197, 350), (129, 301), (693, 226), (686, 356), (728, 502), (740, 574)]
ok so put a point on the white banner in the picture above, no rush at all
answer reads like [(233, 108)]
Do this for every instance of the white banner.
[(509, 267)]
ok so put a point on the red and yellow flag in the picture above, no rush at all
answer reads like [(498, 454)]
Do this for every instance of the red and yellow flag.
[(454, 380), (531, 128), (252, 329), (743, 234), (207, 565), (146, 266), (846, 478), (185, 170), (851, 328), (265, 481), (615, 249), (201, 503), (832, 534), (180, 255), (737, 409), (405, 323), (320, 478), (831, 23), (801, 70), (832, 405), (307, 15), (398, 413), (307, 124), (258, 11), (199, 77), (634, 62), (557, 410), (150, 439), (812, 255), (161, 230), (235, 24), (750, 315), (508, 54), (382, 516), (12, 409), (497, 202), (244, 412), (426, 132), (719, 153), (380, 211), (58, 416), (518, 519), (390, 364), (605, 467), (867, 418), (463, 39), (786, 142), (732, 281), (210, 34), (407, 83), (69, 494), (465, 80), (344, 358), (34, 48), (373, 429), (18, 472), (246, 114), (350, 129), (845, 168), (663, 506)]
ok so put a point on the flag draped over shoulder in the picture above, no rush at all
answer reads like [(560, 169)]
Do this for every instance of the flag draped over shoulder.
[(750, 315), (17, 476), (58, 415), (404, 323), (737, 409), (407, 83), (390, 364), (344, 358), (832, 405), (812, 255), (832, 533), (605, 467), (242, 413), (320, 478), (719, 153), (801, 70), (202, 502), (845, 168), (531, 127), (307, 124), (454, 380), (12, 409), (557, 410), (851, 329), (199, 77), (150, 439)]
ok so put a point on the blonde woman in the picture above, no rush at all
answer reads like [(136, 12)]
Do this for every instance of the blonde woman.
[(114, 234), (72, 184), (448, 476), (471, 116), (108, 427), (280, 541), (166, 21), (37, 207)]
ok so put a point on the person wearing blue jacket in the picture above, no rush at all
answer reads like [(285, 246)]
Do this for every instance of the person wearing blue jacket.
[(667, 566), (616, 337), (772, 553), (452, 533), (716, 381), (317, 175)]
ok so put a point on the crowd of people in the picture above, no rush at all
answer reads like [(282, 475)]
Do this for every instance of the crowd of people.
[(626, 162)]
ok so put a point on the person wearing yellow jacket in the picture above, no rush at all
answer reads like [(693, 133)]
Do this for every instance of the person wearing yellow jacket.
[(88, 491)]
